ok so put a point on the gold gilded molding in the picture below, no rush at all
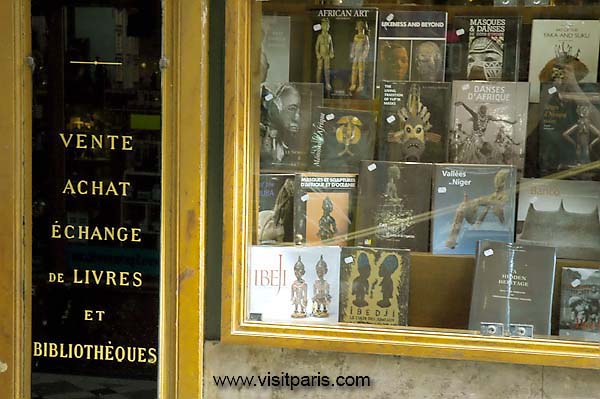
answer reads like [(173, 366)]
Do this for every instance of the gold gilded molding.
[(185, 146), (241, 121), (15, 191)]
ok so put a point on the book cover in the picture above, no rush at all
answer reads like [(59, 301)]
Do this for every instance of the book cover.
[(563, 50), (513, 284), (561, 214), (569, 135), (580, 304), (485, 48), (412, 46), (489, 123), (341, 138), (393, 205), (414, 121), (293, 284), (374, 285), (275, 55), (344, 48), (286, 124), (276, 209), (324, 204), (471, 203)]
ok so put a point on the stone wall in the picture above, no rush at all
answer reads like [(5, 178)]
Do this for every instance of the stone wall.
[(392, 376)]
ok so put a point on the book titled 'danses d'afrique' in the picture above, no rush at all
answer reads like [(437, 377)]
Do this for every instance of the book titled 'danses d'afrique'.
[(513, 285)]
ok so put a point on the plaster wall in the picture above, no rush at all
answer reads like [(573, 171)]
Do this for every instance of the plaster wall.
[(391, 376)]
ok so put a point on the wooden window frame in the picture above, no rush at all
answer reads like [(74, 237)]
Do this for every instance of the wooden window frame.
[(240, 188)]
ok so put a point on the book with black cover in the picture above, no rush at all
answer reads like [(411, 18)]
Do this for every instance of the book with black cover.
[(393, 205), (323, 207), (414, 121), (513, 284), (412, 46), (569, 135), (344, 44), (374, 286), (341, 138), (485, 48), (286, 125)]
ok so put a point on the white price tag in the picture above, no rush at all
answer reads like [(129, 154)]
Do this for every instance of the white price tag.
[(317, 27), (367, 241), (348, 259), (460, 32), (304, 198), (576, 283), (390, 17), (269, 97), (391, 119), (552, 90), (466, 86), (488, 252), (371, 167), (442, 190), (329, 117)]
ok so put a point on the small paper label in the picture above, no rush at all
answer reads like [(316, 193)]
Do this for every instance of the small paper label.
[(442, 190), (391, 119), (488, 252), (389, 17), (466, 86), (329, 117), (348, 259), (269, 97), (317, 27), (304, 198), (367, 241), (552, 90), (371, 167), (460, 32), (576, 283)]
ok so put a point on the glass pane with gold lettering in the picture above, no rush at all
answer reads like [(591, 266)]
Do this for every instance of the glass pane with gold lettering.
[(96, 198)]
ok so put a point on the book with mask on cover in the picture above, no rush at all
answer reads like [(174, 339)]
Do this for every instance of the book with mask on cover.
[(484, 48), (414, 121)]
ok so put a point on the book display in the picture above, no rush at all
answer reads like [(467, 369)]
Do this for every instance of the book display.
[(449, 171)]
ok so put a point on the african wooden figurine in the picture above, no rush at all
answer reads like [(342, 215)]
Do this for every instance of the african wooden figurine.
[(299, 291), (322, 297), (324, 53), (358, 55)]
